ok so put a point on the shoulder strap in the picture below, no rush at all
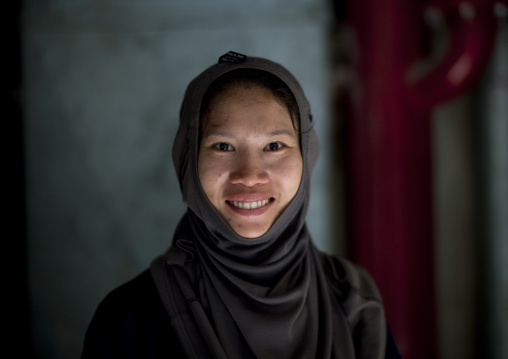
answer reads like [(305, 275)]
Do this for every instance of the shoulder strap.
[(186, 314)]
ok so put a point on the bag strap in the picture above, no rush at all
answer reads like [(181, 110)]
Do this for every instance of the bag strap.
[(187, 316)]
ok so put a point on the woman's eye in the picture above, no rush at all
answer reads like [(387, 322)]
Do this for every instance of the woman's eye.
[(223, 146), (274, 146)]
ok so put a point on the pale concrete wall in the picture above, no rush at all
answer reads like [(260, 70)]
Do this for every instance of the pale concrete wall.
[(470, 144), (455, 225), (103, 83), (493, 199)]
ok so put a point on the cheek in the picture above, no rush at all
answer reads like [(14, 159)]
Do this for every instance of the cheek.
[(210, 176), (294, 178), (290, 175)]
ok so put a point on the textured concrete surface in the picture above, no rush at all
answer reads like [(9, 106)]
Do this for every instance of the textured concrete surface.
[(103, 84)]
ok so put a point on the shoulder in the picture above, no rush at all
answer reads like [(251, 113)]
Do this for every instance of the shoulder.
[(130, 321), (133, 300), (132, 295), (351, 277), (356, 293)]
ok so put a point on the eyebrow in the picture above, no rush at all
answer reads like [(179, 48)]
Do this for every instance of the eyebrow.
[(281, 132), (218, 134), (231, 135)]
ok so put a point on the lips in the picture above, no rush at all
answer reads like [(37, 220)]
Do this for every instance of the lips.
[(250, 205)]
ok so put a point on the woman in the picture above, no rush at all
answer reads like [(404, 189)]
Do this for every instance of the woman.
[(242, 278)]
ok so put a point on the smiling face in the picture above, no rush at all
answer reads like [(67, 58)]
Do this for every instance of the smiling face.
[(249, 163)]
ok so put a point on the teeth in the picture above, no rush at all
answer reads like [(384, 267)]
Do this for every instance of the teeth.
[(250, 205)]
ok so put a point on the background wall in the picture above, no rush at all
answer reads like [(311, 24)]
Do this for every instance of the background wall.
[(470, 156), (102, 86), (104, 81)]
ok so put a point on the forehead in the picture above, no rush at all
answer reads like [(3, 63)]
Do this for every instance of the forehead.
[(241, 101), (238, 91)]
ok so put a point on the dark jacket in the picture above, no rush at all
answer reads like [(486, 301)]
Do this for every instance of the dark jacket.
[(132, 323)]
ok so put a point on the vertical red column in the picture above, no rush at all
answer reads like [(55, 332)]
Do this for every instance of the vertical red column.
[(391, 217), (389, 188)]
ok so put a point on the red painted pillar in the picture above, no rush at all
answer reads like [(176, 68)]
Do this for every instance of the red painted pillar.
[(389, 187)]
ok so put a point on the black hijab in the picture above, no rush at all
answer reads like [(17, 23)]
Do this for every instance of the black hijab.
[(266, 297)]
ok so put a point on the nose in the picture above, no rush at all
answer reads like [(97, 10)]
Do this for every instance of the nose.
[(249, 170)]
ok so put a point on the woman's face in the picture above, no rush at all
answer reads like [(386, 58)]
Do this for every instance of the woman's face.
[(249, 163)]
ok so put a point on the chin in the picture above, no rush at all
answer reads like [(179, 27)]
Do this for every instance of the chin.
[(251, 233)]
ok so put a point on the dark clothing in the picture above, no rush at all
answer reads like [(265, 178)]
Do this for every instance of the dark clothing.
[(132, 323)]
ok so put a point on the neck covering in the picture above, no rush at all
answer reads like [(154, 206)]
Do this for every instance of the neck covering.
[(265, 297)]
